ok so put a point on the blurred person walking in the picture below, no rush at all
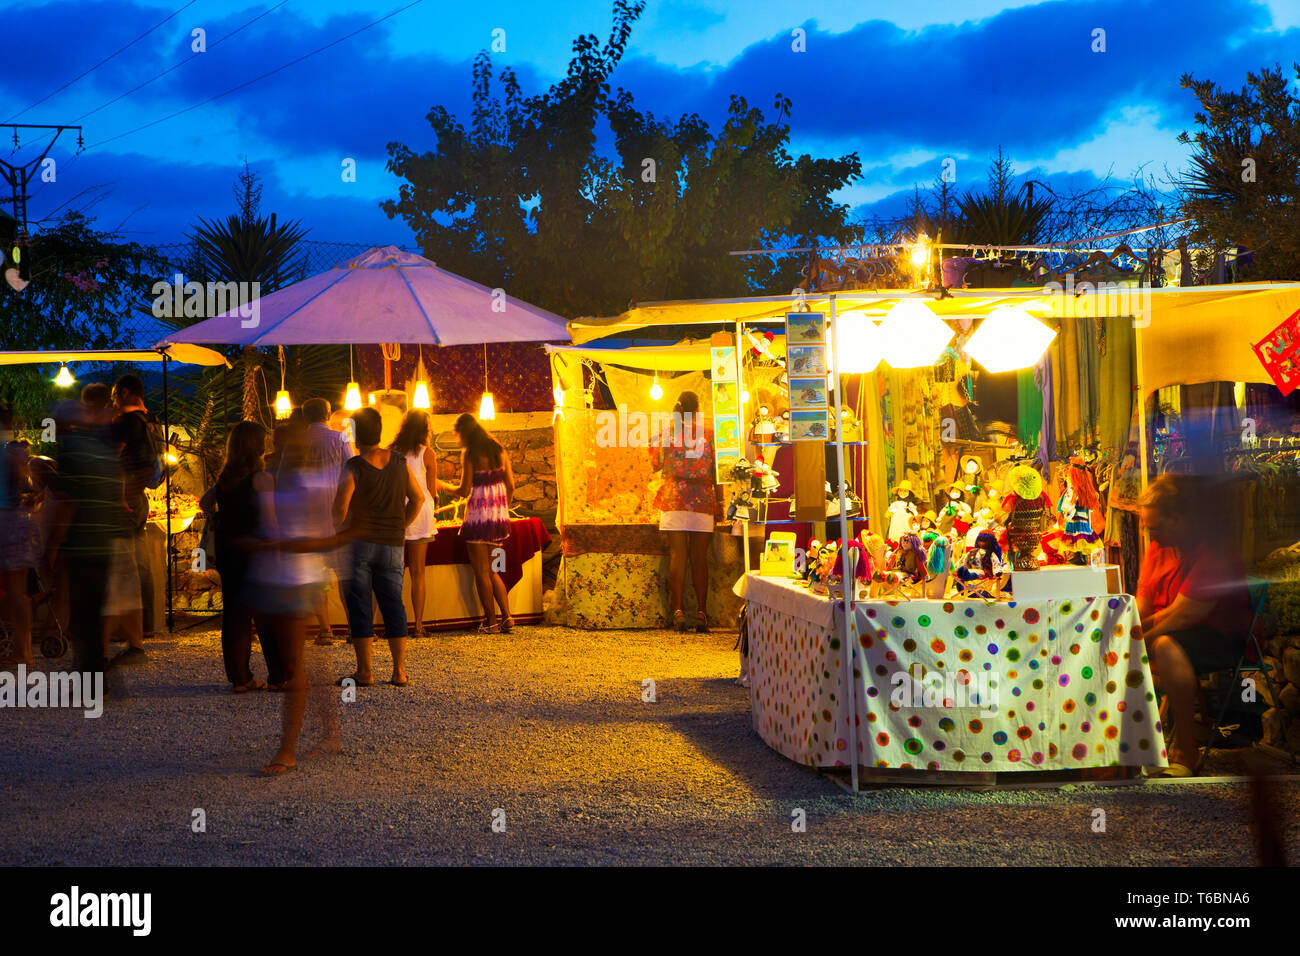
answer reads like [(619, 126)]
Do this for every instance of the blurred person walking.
[(140, 442), (487, 479), (377, 500), (17, 539), (327, 450), (285, 574), (412, 443)]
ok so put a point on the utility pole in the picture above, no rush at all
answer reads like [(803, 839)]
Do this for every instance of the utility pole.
[(19, 177)]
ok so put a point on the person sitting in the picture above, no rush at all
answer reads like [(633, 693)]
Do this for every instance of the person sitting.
[(1192, 599)]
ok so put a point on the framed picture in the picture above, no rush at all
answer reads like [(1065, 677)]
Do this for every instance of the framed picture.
[(805, 360), (807, 393), (808, 425), (805, 328), (778, 555), (723, 363), (726, 432), (725, 399)]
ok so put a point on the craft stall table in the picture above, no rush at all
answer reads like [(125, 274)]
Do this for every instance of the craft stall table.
[(1060, 684), (450, 599)]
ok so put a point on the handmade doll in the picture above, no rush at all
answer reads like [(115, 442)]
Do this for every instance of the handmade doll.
[(909, 560), (1025, 506), (826, 575), (901, 510), (922, 524), (938, 564), (884, 582), (956, 513), (861, 567), (810, 561), (1076, 505), (982, 570)]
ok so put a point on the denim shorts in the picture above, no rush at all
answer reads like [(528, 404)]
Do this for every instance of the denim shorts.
[(375, 569)]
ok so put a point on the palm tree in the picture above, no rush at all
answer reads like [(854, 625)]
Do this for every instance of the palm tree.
[(247, 248)]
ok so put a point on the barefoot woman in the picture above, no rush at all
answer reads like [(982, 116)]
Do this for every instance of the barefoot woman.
[(487, 478)]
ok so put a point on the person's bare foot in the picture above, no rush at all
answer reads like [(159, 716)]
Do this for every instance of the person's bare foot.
[(330, 745), (279, 767), (399, 678)]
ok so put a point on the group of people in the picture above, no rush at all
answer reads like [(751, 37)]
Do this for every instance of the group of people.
[(317, 508), (82, 519)]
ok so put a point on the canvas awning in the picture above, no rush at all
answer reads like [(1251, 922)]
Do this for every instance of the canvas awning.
[(670, 358), (180, 352)]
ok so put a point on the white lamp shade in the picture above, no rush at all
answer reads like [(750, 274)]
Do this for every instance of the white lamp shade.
[(860, 343), (1009, 338), (487, 409), (421, 397), (283, 406), (912, 336), (352, 399), (64, 377)]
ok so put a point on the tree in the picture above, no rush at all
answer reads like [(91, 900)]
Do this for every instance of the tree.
[(523, 199), (86, 288), (248, 248), (1243, 186)]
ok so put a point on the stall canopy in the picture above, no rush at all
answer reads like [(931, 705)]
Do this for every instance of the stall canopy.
[(382, 295), (184, 353), (670, 358), (1192, 334)]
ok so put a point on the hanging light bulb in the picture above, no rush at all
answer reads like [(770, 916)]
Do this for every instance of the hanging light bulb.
[(283, 406), (920, 256), (352, 401), (64, 377), (744, 395), (559, 397), (860, 343), (487, 410), (656, 390), (911, 336), (1009, 338), (421, 398), (370, 398)]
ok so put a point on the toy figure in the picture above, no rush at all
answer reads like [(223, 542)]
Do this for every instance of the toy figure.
[(810, 560), (884, 582), (1076, 505), (982, 570), (901, 510), (909, 560), (955, 510), (1026, 507), (938, 565)]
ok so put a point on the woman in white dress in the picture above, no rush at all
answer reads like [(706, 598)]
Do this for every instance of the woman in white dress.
[(412, 443)]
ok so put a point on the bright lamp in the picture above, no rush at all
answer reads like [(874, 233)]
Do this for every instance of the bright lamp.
[(860, 343), (912, 336), (352, 400), (421, 397), (283, 406), (1009, 338), (64, 377), (487, 409)]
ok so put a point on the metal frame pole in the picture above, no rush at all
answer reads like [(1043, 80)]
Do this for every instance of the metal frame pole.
[(850, 649), (167, 477)]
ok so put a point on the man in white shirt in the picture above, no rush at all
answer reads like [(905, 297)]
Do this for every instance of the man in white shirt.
[(327, 450)]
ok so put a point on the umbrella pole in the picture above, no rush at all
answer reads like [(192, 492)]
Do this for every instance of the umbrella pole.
[(167, 477)]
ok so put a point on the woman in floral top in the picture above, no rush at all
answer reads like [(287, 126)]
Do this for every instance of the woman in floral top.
[(687, 505)]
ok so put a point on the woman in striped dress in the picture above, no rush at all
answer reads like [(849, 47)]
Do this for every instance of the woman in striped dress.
[(487, 480)]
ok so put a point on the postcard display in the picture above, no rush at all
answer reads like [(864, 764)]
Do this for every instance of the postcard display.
[(728, 439), (805, 346)]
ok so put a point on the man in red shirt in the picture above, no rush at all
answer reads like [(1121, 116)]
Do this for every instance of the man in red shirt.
[(1192, 598)]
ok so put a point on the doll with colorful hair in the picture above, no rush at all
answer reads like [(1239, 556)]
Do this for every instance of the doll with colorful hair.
[(1076, 504)]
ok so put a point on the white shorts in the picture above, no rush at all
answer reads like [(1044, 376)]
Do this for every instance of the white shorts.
[(123, 594), (685, 521)]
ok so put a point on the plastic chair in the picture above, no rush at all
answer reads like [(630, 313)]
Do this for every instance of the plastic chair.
[(1258, 588)]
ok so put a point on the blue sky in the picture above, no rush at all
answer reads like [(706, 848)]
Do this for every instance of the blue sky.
[(903, 84)]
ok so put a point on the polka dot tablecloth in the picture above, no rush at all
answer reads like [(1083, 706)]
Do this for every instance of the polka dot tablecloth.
[(960, 685)]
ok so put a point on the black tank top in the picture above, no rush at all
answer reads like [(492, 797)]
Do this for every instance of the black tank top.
[(378, 510)]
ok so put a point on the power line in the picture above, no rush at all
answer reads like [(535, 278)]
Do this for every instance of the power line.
[(103, 61), (258, 79), (189, 59)]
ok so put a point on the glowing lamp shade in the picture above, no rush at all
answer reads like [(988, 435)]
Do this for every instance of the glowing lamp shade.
[(352, 400), (64, 377), (1009, 338), (911, 336), (656, 390), (487, 409), (283, 407), (421, 397), (860, 343), (370, 399)]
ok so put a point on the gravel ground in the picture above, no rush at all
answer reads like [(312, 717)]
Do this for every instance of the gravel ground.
[(548, 726)]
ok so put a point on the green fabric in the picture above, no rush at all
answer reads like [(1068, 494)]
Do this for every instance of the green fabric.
[(1116, 385), (1029, 409)]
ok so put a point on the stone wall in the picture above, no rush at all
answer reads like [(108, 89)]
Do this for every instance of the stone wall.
[(1282, 719), (532, 456)]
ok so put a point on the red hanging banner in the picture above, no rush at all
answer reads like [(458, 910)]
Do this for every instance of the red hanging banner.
[(1279, 353)]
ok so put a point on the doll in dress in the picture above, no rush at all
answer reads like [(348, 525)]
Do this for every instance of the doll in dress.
[(901, 510), (1076, 505), (909, 560), (982, 570), (1026, 507), (938, 565)]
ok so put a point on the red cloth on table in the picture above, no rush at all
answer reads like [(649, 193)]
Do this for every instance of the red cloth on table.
[(527, 537)]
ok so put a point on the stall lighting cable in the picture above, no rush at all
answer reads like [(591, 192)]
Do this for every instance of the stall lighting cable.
[(111, 56), (258, 79)]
